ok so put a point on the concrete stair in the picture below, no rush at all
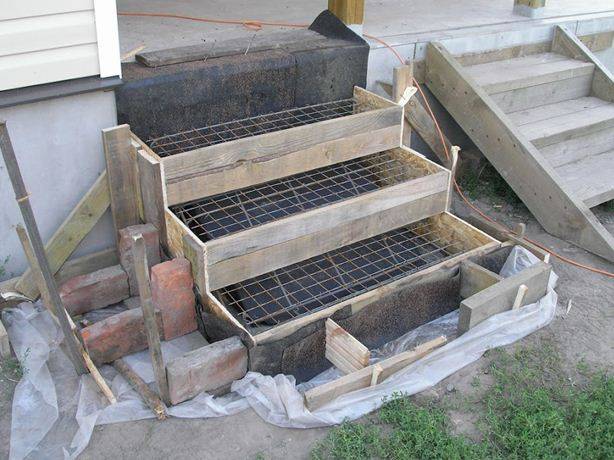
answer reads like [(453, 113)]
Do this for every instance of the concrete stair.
[(547, 97)]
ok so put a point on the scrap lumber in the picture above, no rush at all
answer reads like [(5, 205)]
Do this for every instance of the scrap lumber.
[(475, 278), (420, 120), (122, 176), (343, 350), (46, 296), (5, 347), (149, 315), (138, 384), (323, 394), (23, 200), (72, 231), (500, 297)]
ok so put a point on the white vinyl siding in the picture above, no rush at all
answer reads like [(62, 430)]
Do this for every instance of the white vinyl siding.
[(43, 41)]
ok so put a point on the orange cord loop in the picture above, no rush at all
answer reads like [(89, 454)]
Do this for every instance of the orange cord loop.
[(257, 25)]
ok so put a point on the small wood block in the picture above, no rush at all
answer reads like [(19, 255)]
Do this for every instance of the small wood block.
[(344, 350)]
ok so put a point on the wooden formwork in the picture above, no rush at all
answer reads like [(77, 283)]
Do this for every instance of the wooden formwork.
[(374, 127)]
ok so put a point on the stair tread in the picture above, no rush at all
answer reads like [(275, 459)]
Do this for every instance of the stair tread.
[(589, 115), (575, 149), (591, 179), (499, 76)]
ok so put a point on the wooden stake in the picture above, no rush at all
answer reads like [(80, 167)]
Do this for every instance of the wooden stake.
[(377, 370), (522, 291), (46, 296), (23, 200), (402, 77), (151, 325), (151, 399)]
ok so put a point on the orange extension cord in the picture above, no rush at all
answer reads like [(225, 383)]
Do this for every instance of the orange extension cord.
[(257, 25)]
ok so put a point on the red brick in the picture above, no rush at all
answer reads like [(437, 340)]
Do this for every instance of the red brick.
[(126, 243), (117, 336), (95, 290), (172, 294)]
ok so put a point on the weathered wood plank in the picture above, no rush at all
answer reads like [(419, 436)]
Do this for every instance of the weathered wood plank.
[(280, 143), (328, 217), (323, 394), (66, 239), (347, 231), (519, 162), (152, 192), (500, 296), (175, 231), (121, 175), (208, 182)]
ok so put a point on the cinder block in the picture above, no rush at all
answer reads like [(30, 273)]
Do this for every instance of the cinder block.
[(172, 293), (117, 336), (208, 368), (126, 257), (95, 290)]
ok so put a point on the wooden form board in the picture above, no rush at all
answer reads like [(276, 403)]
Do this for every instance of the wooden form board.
[(500, 296), (152, 191), (349, 11), (280, 243), (240, 163), (517, 160), (363, 378), (343, 349), (473, 241), (475, 278)]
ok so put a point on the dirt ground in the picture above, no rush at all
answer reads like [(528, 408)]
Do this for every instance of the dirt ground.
[(585, 333)]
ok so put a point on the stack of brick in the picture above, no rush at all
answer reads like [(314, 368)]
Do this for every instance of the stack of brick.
[(124, 333)]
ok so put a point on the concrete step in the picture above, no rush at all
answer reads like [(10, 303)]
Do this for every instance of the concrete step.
[(575, 149), (591, 179), (562, 121), (531, 81)]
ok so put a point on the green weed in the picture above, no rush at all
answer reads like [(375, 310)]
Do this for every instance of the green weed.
[(531, 411)]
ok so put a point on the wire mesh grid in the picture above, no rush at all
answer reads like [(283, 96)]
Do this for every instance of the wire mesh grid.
[(227, 213), (273, 298), (196, 138)]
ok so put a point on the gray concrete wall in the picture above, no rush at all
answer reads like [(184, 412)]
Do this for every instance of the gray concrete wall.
[(59, 148), (607, 57)]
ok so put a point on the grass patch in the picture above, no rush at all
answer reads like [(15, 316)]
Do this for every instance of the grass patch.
[(11, 369), (532, 410)]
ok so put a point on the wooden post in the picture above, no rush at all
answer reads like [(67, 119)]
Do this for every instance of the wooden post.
[(23, 200), (122, 177), (529, 8), (34, 268), (351, 12), (402, 77), (151, 325)]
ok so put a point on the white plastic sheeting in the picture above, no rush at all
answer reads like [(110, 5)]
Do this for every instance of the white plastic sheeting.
[(55, 411)]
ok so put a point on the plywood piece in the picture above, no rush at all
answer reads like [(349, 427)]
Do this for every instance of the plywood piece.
[(475, 278), (121, 176), (66, 239), (323, 394), (500, 296)]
